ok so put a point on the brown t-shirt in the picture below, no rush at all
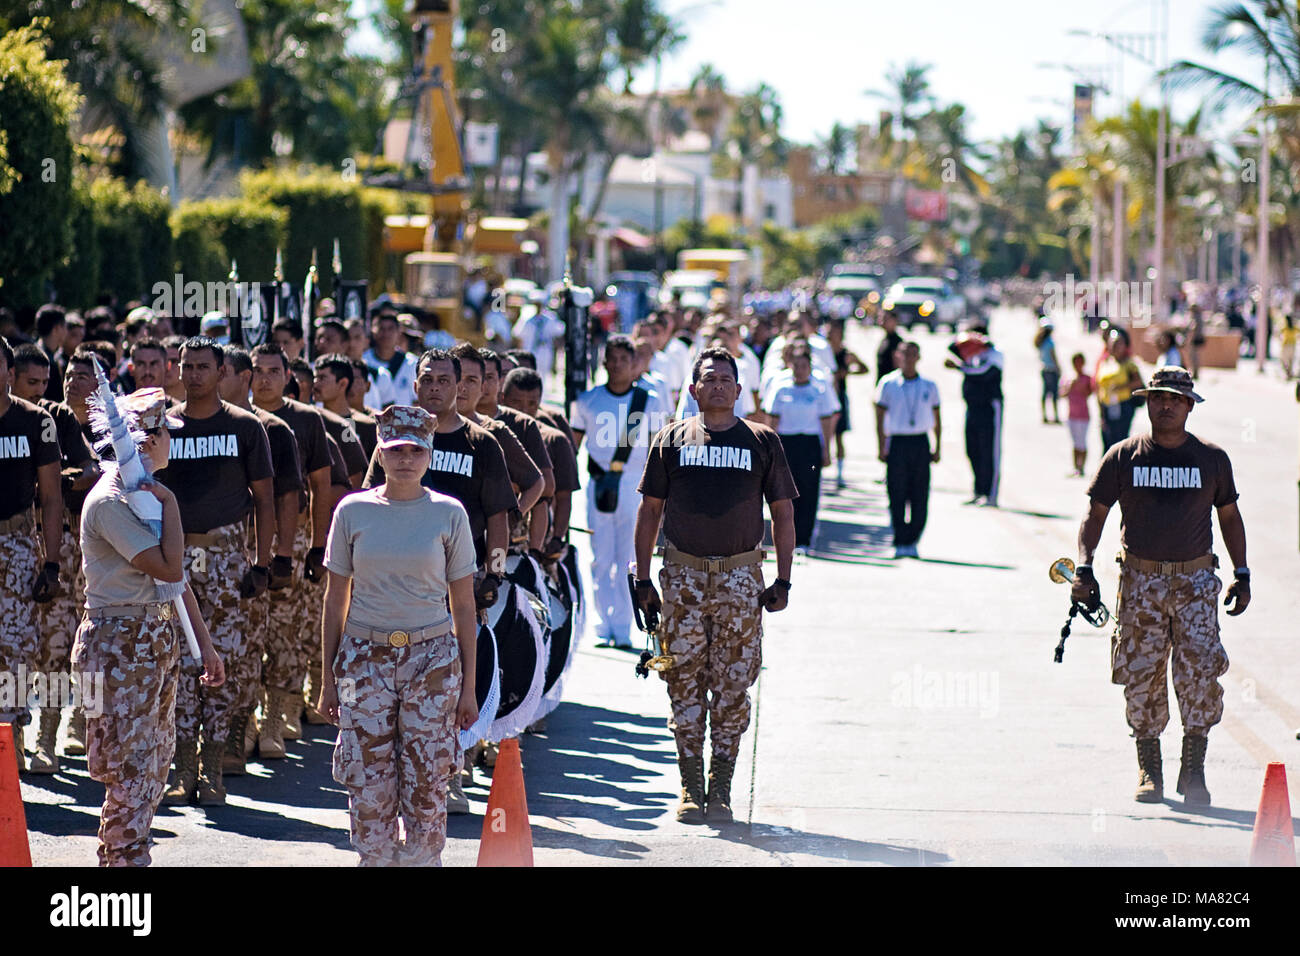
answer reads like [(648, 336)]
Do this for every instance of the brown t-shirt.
[(555, 418), (1165, 495), (213, 462), (28, 440), (563, 461), (308, 431), (367, 430), (339, 477), (526, 430), (523, 470), (469, 466), (342, 431), (715, 483), (73, 449), (284, 456)]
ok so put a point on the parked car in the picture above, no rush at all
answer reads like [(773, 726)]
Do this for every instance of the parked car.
[(922, 300)]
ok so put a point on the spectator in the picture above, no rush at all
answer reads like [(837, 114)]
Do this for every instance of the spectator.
[(1079, 411), (1051, 369), (1117, 377)]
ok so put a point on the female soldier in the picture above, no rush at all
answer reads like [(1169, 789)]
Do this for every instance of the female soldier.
[(398, 675), (128, 640)]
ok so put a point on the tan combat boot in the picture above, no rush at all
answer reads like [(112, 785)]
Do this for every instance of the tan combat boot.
[(185, 776), (691, 807), (718, 808), (310, 715), (18, 748), (270, 736), (1191, 776), (234, 763), (46, 758), (293, 704), (457, 802), (251, 731), (76, 745), (1151, 776), (211, 791)]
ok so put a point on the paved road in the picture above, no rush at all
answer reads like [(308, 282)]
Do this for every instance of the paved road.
[(909, 712)]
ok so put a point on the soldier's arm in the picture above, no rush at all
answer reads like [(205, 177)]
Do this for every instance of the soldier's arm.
[(286, 523), (548, 483), (1090, 531), (560, 516), (498, 540), (539, 522), (50, 490), (322, 503), (938, 433), (264, 512), (1233, 530), (783, 535), (531, 495), (648, 515)]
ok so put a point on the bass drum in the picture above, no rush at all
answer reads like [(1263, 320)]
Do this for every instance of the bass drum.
[(522, 652), (487, 688)]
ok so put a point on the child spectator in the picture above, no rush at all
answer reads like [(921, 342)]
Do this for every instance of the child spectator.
[(1078, 392)]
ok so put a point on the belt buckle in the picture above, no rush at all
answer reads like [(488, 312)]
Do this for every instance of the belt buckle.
[(1167, 567), (713, 565), (399, 639), (164, 612)]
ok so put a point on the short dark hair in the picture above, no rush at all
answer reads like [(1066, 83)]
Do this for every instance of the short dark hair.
[(90, 353), (26, 355), (438, 355), (103, 351), (908, 344), (620, 341), (290, 326), (100, 315), (523, 379), (522, 358), (468, 353), (104, 333), (720, 354), (270, 348), (238, 358), (7, 352), (340, 366), (335, 326), (49, 317), (197, 343), (360, 370), (488, 355), (145, 344), (173, 342), (301, 365)]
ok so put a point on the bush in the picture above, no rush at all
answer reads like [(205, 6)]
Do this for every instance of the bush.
[(76, 282), (210, 233), (321, 206), (134, 237), (37, 104)]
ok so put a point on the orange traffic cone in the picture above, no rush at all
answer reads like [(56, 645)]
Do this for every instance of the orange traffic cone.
[(507, 838), (14, 850), (1273, 843)]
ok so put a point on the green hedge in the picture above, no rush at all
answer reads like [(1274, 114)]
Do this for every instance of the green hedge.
[(321, 206), (133, 235), (210, 233), (76, 281)]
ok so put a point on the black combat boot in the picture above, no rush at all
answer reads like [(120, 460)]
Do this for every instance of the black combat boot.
[(1191, 776), (719, 799), (1151, 778), (691, 808)]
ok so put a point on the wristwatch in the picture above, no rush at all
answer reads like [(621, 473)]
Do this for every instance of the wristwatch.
[(1241, 573), (644, 583), (782, 583)]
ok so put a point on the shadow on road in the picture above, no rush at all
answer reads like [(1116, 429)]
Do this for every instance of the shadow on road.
[(786, 840)]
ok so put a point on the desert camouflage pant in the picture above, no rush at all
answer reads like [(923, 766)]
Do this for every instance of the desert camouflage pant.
[(247, 670), (713, 628), (129, 746), (398, 745), (1156, 613), (214, 574), (18, 640), (294, 623), (60, 618)]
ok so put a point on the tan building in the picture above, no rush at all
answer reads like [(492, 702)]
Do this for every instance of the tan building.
[(817, 194)]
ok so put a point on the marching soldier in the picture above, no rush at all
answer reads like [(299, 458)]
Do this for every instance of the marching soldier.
[(706, 478), (29, 473), (132, 639), (1166, 484), (333, 380), (58, 619), (288, 488), (220, 471), (522, 391), (400, 557)]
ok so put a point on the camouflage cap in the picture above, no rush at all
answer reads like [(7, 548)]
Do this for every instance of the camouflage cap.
[(405, 425), (1171, 378), (146, 409)]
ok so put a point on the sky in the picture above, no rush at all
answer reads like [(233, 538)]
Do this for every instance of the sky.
[(1004, 59)]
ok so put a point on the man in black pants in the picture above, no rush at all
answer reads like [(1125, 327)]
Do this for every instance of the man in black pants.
[(981, 368), (907, 407)]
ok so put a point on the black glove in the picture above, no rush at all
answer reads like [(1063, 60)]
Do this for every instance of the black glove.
[(281, 572), (1085, 581), (555, 548), (313, 568), (1239, 591), (647, 600), (46, 586), (775, 597), (485, 591), (254, 582)]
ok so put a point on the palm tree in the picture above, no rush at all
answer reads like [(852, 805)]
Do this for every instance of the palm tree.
[(708, 92), (754, 137), (838, 147), (909, 88), (942, 135)]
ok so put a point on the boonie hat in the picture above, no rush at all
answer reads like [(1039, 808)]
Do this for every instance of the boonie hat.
[(405, 425), (146, 409), (1171, 378)]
